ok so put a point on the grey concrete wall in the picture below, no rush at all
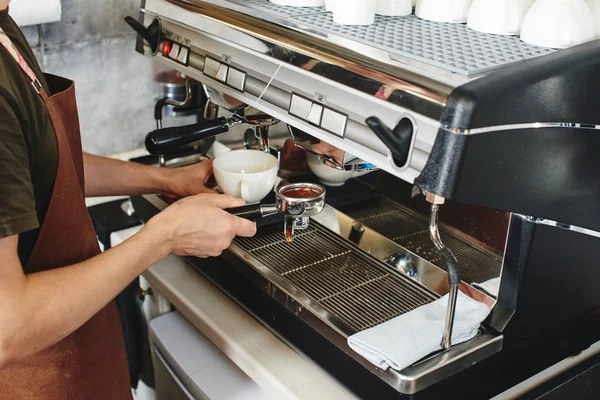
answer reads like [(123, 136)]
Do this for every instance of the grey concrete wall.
[(93, 46)]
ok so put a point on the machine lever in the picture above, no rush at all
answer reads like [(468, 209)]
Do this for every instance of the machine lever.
[(397, 140), (151, 34)]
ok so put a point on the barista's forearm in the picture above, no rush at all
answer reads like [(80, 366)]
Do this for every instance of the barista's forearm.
[(42, 308), (109, 177)]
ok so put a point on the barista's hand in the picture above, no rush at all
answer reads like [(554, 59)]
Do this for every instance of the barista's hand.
[(197, 225), (188, 181)]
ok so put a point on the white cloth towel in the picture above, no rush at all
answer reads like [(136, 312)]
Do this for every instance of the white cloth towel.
[(35, 12), (402, 341), (491, 287)]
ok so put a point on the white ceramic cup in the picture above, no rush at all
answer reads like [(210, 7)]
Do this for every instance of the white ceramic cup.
[(329, 176), (354, 12), (394, 8), (329, 5), (455, 11), (299, 3), (595, 8), (501, 17), (558, 23), (246, 174)]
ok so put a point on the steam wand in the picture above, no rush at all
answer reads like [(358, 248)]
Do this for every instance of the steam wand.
[(451, 266)]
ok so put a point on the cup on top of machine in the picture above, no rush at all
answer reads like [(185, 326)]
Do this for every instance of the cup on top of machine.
[(500, 17), (354, 12), (246, 174), (455, 11), (595, 8), (558, 23), (394, 8), (299, 3)]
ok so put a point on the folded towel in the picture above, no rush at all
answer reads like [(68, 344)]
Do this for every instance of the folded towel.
[(491, 287), (406, 339)]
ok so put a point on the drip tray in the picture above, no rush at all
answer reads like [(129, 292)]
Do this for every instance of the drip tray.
[(410, 231), (343, 283)]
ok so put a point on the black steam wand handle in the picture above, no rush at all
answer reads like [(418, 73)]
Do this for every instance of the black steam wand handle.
[(167, 140), (397, 140), (151, 34)]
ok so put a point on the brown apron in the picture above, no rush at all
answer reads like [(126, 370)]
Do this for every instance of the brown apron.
[(90, 363)]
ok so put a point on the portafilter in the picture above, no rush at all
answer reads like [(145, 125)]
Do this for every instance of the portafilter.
[(296, 201)]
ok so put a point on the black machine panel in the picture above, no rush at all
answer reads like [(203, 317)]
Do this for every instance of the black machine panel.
[(547, 171)]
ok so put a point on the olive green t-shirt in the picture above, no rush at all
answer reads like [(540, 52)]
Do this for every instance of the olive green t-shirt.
[(28, 148)]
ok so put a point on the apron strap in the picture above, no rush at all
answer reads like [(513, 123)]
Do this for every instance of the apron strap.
[(12, 50)]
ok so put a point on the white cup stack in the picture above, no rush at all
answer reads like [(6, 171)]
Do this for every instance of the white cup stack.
[(501, 17), (394, 8), (299, 3), (595, 8), (558, 23), (354, 12), (455, 11)]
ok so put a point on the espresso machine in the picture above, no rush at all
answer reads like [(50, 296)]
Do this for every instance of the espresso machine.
[(481, 178)]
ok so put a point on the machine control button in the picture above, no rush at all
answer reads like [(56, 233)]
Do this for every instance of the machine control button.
[(211, 67), (183, 55), (300, 107), (236, 79), (315, 113), (174, 51), (222, 73), (334, 122)]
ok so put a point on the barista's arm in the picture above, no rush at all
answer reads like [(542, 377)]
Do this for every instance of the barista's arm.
[(40, 309), (109, 177)]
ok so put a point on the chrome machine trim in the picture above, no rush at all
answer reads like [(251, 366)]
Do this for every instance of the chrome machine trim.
[(559, 225), (528, 125)]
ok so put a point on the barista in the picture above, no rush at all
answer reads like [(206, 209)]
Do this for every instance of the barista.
[(60, 335)]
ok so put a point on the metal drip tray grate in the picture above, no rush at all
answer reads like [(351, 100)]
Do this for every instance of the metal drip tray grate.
[(412, 233), (349, 284)]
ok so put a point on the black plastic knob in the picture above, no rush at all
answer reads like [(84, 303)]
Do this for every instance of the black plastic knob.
[(398, 140), (151, 34)]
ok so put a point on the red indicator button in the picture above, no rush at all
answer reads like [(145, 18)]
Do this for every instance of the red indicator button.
[(166, 47)]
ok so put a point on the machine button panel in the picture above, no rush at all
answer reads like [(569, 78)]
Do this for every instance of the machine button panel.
[(183, 55), (174, 51), (222, 73), (300, 107), (236, 79), (317, 114), (215, 69), (211, 67), (334, 122)]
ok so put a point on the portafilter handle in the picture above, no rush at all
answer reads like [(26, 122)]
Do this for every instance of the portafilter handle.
[(167, 140), (254, 212)]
